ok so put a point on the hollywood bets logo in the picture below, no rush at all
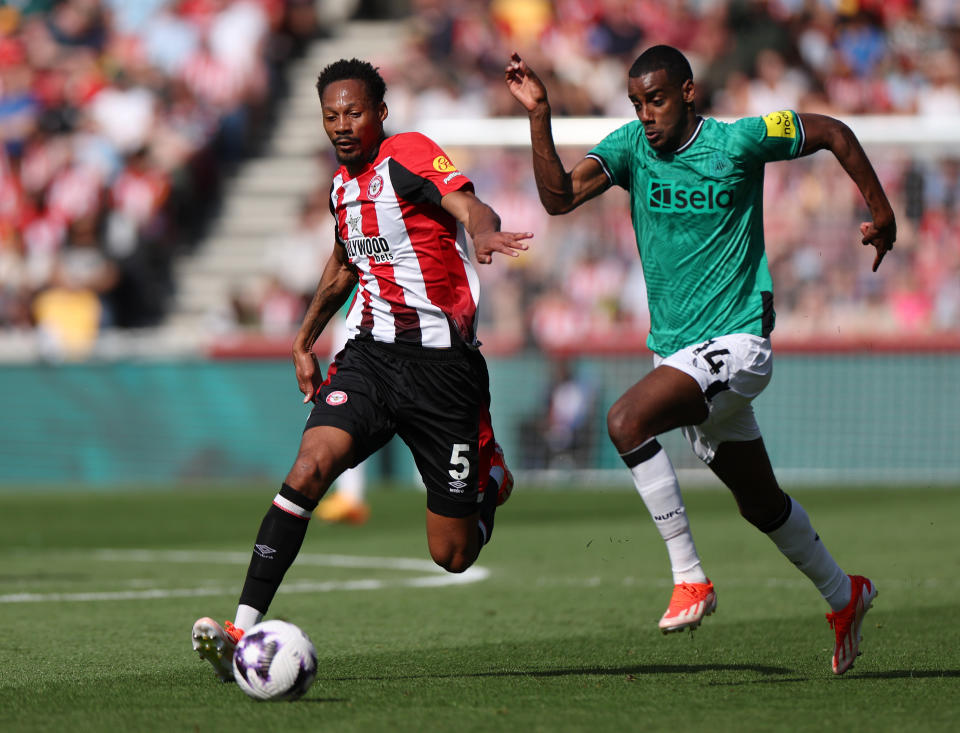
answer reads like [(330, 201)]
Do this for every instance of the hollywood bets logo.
[(376, 248)]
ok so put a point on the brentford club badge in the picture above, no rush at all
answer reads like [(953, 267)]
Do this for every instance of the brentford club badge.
[(336, 398), (375, 187)]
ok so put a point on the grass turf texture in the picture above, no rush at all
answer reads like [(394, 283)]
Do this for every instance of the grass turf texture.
[(561, 636)]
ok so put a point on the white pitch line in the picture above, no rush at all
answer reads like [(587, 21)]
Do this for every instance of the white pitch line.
[(437, 578), (242, 558)]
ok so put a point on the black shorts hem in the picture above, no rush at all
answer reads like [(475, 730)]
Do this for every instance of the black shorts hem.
[(445, 507), (325, 419)]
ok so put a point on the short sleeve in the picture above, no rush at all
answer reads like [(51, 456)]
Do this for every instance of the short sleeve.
[(615, 153), (422, 157), (775, 136)]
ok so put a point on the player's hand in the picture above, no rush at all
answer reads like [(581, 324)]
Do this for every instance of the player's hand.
[(881, 236), (309, 375), (524, 84), (508, 243)]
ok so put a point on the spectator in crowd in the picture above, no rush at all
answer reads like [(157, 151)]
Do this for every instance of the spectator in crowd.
[(117, 121), (58, 63), (560, 435)]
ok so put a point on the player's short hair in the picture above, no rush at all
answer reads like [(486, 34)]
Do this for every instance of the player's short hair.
[(354, 69), (665, 58)]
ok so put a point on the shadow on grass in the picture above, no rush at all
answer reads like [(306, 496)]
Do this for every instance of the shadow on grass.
[(636, 670), (899, 674), (324, 700), (892, 674)]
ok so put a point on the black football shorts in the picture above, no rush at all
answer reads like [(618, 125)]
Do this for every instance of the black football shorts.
[(436, 400)]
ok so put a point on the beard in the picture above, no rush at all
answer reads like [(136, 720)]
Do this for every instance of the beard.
[(353, 156)]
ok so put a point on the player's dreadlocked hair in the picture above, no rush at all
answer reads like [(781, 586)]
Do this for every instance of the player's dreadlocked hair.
[(665, 58), (354, 69)]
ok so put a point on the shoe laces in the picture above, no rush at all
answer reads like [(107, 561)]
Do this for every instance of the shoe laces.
[(498, 459), (687, 594), (233, 632), (840, 623)]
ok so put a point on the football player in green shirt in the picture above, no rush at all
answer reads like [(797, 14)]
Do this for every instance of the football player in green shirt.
[(696, 200)]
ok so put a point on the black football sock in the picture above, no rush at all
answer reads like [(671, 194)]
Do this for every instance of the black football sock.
[(488, 508), (278, 542)]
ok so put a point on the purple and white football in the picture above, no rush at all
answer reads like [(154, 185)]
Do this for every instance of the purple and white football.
[(275, 660)]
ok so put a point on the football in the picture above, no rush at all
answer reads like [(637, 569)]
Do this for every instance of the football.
[(275, 660)]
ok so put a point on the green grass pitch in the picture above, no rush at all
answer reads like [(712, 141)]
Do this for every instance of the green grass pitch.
[(556, 631)]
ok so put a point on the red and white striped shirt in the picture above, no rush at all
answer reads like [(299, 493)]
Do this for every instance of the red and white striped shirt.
[(417, 283)]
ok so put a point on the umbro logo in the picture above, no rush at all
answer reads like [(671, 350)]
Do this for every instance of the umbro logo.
[(264, 551), (456, 486)]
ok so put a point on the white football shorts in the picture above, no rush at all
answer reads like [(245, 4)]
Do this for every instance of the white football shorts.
[(731, 371)]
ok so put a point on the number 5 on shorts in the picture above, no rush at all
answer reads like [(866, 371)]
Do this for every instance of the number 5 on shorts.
[(460, 463)]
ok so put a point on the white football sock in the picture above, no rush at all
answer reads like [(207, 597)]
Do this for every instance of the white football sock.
[(656, 482), (246, 617), (798, 541)]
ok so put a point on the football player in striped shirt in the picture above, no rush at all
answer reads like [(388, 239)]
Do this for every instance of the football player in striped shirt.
[(411, 366)]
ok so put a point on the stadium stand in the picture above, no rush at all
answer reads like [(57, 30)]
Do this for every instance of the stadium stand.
[(146, 251), (121, 125), (183, 221), (896, 61)]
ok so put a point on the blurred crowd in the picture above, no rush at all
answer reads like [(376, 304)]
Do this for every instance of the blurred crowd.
[(581, 282), (94, 210), (748, 56), (119, 122)]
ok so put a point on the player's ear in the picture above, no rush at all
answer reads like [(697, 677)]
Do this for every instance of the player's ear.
[(382, 111), (688, 91)]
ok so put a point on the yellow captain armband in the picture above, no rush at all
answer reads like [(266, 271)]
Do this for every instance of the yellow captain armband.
[(780, 124)]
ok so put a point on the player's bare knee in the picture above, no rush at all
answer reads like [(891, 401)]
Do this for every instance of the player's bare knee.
[(616, 418), (452, 559), (310, 476), (623, 429)]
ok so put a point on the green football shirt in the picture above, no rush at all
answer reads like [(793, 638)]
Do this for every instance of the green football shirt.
[(698, 217)]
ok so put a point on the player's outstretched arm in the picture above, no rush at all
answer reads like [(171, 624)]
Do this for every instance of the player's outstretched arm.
[(560, 191), (483, 226), (822, 132), (336, 282)]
